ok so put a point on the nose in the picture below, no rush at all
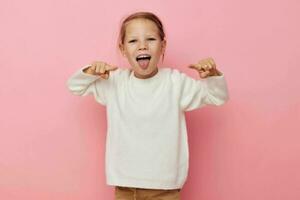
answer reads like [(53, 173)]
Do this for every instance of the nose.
[(143, 45)]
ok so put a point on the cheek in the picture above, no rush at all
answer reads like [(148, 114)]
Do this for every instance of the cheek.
[(159, 48), (131, 58), (159, 52), (128, 53)]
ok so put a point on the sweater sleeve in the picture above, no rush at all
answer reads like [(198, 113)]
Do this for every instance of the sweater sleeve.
[(82, 84), (198, 93)]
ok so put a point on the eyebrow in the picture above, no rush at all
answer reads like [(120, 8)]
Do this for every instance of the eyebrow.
[(146, 36)]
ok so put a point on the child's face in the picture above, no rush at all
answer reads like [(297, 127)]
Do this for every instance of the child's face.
[(142, 37)]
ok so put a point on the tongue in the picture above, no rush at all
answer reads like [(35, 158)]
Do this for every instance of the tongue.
[(144, 63)]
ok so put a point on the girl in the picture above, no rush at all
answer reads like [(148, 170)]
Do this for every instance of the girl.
[(147, 153)]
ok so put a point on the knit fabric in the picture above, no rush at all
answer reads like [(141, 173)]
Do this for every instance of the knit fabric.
[(146, 143)]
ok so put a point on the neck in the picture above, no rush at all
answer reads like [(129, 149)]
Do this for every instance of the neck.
[(148, 75)]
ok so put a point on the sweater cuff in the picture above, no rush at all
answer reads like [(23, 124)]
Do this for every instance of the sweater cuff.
[(86, 74), (217, 86), (214, 79)]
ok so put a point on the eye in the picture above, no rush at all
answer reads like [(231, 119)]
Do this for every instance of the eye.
[(131, 41), (152, 39)]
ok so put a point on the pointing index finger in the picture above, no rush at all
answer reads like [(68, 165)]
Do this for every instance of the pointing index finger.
[(192, 66), (111, 68)]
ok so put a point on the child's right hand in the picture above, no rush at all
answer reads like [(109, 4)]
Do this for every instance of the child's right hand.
[(100, 68)]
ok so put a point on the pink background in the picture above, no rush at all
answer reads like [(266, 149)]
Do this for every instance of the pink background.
[(52, 143)]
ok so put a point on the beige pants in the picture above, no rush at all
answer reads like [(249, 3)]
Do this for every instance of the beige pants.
[(131, 193)]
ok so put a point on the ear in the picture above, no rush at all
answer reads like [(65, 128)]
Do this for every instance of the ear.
[(163, 46), (121, 47)]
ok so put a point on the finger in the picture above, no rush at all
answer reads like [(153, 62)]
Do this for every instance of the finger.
[(214, 67), (93, 66), (212, 62), (206, 65), (111, 68), (199, 68), (209, 66), (205, 74), (104, 76), (192, 66), (212, 70), (102, 68), (97, 70), (202, 66), (202, 74)]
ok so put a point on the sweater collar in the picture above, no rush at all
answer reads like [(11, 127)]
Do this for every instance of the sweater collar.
[(146, 80)]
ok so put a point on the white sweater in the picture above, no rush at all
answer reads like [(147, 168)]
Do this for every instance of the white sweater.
[(146, 143)]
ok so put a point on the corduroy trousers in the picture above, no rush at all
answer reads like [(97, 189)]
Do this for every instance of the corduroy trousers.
[(131, 193)]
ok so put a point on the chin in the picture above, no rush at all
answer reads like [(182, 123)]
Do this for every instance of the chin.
[(142, 72)]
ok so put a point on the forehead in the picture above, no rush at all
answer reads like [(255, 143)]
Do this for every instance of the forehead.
[(141, 26)]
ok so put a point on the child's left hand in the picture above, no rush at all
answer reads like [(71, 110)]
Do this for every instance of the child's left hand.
[(206, 67)]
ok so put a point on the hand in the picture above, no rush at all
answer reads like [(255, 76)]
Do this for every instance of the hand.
[(101, 68), (206, 67)]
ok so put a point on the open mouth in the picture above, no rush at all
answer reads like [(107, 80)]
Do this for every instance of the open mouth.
[(143, 57), (143, 60)]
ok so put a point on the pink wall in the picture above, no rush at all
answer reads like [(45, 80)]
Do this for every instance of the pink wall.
[(52, 143)]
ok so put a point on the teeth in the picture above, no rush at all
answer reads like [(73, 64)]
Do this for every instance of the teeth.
[(143, 56)]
